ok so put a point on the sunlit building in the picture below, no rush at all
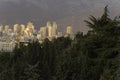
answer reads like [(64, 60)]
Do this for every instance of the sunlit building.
[(69, 30), (22, 27), (27, 33), (30, 26), (15, 28), (54, 29), (1, 28), (39, 36), (6, 28), (43, 32), (7, 46), (49, 26)]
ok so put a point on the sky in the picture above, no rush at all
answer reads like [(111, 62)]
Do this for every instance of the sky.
[(64, 12)]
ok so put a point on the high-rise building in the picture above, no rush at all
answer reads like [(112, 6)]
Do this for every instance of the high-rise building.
[(1, 28), (69, 30), (26, 32), (22, 27), (49, 26), (6, 28), (15, 28), (43, 32), (54, 29), (30, 26)]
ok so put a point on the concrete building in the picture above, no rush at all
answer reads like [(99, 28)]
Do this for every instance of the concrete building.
[(54, 29), (43, 32), (1, 28), (22, 27), (27, 33), (15, 28), (49, 27), (7, 46), (6, 29), (31, 27), (68, 30)]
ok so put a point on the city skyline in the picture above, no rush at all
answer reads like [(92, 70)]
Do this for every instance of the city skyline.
[(20, 33), (64, 12), (15, 27), (50, 30)]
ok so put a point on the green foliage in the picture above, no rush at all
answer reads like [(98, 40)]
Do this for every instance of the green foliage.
[(93, 56)]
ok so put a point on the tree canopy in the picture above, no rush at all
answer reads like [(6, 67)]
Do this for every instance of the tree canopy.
[(93, 56)]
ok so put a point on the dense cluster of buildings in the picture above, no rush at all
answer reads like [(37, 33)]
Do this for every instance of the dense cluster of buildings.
[(26, 33)]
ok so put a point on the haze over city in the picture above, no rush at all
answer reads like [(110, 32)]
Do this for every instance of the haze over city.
[(59, 39), (64, 12)]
